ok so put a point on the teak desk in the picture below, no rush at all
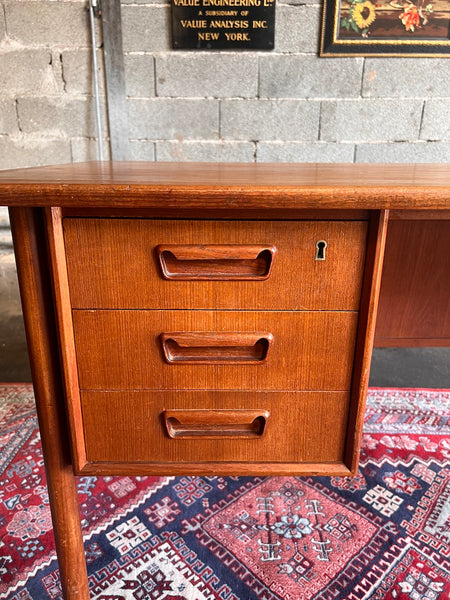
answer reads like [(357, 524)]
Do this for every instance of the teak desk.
[(201, 318)]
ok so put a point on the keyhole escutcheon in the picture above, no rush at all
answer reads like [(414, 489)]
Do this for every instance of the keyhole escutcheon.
[(320, 249)]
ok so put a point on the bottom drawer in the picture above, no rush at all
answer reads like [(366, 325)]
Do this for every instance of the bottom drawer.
[(214, 426)]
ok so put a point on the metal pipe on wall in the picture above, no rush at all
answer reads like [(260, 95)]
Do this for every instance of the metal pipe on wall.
[(93, 4)]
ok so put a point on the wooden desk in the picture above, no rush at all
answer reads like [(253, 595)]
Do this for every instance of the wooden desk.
[(202, 318)]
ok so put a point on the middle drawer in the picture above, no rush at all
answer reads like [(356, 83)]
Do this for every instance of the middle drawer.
[(247, 350)]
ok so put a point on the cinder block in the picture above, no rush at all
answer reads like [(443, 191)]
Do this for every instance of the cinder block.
[(77, 72), (297, 28), (211, 74), (406, 77), (60, 24), (403, 152), (146, 28), (436, 119), (370, 120), (28, 71), (297, 152), (8, 117), (308, 77), (140, 75), (124, 2), (32, 151), (5, 239), (59, 116), (4, 219), (269, 120), (9, 298), (2, 25), (206, 151), (165, 119), (84, 149), (142, 150), (316, 3)]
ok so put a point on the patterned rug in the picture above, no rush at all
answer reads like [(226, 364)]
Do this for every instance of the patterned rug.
[(383, 534)]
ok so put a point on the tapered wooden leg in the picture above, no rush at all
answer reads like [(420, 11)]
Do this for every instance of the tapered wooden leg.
[(37, 302)]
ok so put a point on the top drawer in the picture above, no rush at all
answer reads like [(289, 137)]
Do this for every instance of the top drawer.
[(145, 263)]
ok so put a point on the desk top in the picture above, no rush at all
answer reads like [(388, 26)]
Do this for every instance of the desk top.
[(229, 185)]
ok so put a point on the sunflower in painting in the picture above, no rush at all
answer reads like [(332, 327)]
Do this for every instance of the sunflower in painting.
[(360, 17), (363, 13)]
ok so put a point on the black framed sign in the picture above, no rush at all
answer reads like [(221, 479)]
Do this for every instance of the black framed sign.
[(223, 24), (386, 28)]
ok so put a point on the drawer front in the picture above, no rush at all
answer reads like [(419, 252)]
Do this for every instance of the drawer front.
[(131, 426), (214, 349), (278, 265)]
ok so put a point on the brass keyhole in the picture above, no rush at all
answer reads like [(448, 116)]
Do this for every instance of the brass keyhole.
[(320, 250)]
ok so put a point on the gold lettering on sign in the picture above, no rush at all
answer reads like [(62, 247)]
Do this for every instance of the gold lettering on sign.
[(193, 24), (234, 2), (207, 37), (229, 24), (221, 13), (237, 37)]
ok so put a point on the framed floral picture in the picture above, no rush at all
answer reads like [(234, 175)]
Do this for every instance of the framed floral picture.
[(386, 28)]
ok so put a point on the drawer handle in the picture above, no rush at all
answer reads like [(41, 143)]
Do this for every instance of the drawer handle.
[(215, 347), (215, 423), (225, 262)]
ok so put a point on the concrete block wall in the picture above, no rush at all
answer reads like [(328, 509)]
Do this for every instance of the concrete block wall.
[(283, 105), (47, 110)]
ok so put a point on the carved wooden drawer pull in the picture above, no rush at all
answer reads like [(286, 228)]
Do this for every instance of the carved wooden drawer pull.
[(215, 423), (215, 347), (216, 261)]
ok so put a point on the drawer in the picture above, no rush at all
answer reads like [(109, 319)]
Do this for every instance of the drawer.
[(269, 265), (297, 426), (246, 350)]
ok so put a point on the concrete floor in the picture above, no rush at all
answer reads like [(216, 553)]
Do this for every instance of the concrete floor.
[(14, 365), (391, 367), (411, 367)]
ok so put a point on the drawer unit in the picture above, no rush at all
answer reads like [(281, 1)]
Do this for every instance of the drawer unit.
[(194, 345)]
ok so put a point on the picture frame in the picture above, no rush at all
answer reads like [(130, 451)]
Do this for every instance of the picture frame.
[(386, 28)]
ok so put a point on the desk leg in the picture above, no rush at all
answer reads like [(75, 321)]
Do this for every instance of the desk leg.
[(37, 302)]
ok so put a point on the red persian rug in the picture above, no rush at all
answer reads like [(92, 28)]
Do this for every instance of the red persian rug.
[(383, 534)]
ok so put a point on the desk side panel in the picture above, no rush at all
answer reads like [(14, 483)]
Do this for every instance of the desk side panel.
[(415, 288)]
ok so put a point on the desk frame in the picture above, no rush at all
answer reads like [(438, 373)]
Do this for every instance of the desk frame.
[(236, 191)]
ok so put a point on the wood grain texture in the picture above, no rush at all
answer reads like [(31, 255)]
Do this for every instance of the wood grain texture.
[(226, 213), (57, 261), (216, 347), (122, 350), (418, 215), (415, 288), (305, 427), (113, 263), (230, 423), (240, 185), (212, 469), (27, 226), (224, 262), (365, 336)]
